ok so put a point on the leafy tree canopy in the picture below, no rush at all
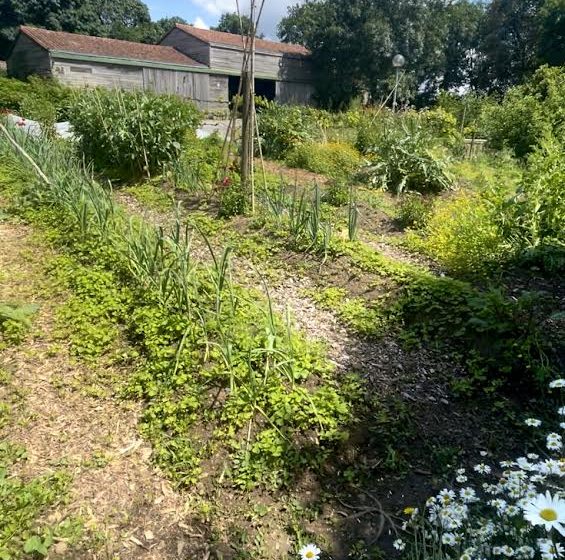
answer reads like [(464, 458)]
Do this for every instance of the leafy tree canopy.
[(353, 42), (120, 19), (231, 23), (447, 44)]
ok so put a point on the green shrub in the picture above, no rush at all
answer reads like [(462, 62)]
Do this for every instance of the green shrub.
[(529, 112), (337, 193), (469, 111), (39, 99), (402, 160), (463, 235), (442, 125), (413, 211), (333, 159), (282, 127), (233, 201), (504, 340), (130, 134), (536, 215), (199, 164)]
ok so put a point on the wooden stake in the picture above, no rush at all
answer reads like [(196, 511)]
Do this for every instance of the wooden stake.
[(24, 153)]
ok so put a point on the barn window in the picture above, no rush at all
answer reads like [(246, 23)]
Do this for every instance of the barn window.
[(82, 69)]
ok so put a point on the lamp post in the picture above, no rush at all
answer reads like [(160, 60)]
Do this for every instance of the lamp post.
[(398, 62)]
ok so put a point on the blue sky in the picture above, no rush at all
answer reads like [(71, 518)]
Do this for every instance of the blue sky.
[(207, 12)]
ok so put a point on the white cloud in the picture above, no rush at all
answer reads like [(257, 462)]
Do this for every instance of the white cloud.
[(273, 11), (200, 23), (216, 7)]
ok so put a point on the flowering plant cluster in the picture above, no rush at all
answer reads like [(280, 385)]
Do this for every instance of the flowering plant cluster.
[(517, 511)]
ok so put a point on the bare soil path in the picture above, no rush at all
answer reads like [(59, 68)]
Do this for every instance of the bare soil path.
[(67, 418), (413, 380)]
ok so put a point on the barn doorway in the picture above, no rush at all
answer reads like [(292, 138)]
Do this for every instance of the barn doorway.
[(266, 89), (233, 86), (263, 88)]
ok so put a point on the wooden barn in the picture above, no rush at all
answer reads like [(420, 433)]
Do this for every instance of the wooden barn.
[(283, 70), (196, 64)]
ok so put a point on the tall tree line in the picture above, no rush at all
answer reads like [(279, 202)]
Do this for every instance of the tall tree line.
[(120, 19), (448, 44)]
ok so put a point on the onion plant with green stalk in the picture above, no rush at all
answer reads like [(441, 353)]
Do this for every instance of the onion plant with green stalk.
[(352, 216), (197, 331)]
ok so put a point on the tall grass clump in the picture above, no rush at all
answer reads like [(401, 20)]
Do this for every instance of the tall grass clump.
[(131, 134), (218, 367)]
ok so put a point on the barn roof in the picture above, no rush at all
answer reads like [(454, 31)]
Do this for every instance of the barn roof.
[(101, 46), (233, 40)]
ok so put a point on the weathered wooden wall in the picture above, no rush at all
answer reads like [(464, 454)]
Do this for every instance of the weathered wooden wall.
[(209, 92), (93, 74), (183, 84), (218, 97), (276, 66), (295, 93), (189, 45), (27, 57)]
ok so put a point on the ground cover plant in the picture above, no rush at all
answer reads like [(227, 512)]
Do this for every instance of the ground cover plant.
[(442, 282), (22, 504), (185, 309)]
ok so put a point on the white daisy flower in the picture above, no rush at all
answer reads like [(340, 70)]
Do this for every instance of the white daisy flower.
[(547, 510), (465, 556), (481, 468), (561, 411), (507, 551), (557, 384), (550, 466), (532, 456), (399, 544), (461, 479), (554, 442), (468, 495), (549, 550), (532, 422), (562, 425), (526, 552), (446, 496), (448, 539), (309, 552), (483, 453), (512, 511)]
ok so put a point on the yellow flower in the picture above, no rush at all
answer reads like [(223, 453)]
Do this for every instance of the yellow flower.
[(409, 510)]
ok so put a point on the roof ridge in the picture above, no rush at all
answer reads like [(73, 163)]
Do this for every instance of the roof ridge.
[(97, 37), (277, 45), (80, 43)]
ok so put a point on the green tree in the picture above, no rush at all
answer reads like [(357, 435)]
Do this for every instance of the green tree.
[(551, 48), (462, 21), (353, 42), (231, 23), (508, 44), (151, 32), (105, 18)]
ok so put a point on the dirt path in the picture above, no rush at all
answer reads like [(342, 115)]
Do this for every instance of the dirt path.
[(67, 418), (419, 377)]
